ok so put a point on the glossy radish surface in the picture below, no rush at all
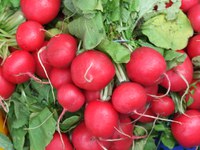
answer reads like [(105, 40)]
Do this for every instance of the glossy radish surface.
[(92, 70)]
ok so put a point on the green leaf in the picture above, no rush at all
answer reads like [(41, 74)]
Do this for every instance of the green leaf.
[(160, 127), (18, 137), (116, 51), (144, 144), (5, 142), (168, 34), (168, 139), (41, 129), (190, 101), (196, 61), (150, 144), (174, 58), (89, 30), (70, 123)]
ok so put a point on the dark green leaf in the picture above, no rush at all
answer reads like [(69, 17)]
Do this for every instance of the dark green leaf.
[(69, 123), (5, 142), (168, 139), (196, 61), (41, 129), (150, 144), (116, 51)]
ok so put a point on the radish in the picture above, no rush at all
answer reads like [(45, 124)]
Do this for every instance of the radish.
[(30, 35), (194, 93), (163, 106), (194, 17), (101, 118), (187, 131), (61, 50), (91, 95), (59, 77), (92, 70), (180, 76), (146, 66), (39, 69), (151, 90), (145, 115), (56, 143), (1, 60), (7, 88), (18, 67), (42, 11), (129, 97), (187, 4), (83, 139), (193, 47), (124, 135)]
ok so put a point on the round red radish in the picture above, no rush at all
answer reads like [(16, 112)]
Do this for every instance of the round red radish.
[(187, 131), (42, 11), (39, 69), (178, 74), (91, 95), (83, 139), (30, 35), (142, 115), (146, 66), (70, 97), (56, 143), (129, 97), (126, 128), (194, 93), (7, 88), (59, 77), (101, 118), (151, 90), (193, 47), (18, 67), (92, 70), (187, 4), (163, 106), (194, 17), (61, 50)]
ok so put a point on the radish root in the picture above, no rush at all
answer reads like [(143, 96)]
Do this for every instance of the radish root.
[(86, 73)]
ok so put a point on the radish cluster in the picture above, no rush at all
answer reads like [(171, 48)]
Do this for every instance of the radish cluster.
[(79, 79)]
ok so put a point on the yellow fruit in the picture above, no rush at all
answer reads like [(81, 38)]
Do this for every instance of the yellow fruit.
[(3, 128)]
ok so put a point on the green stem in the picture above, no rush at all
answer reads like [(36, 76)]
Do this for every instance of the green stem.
[(107, 92), (120, 73)]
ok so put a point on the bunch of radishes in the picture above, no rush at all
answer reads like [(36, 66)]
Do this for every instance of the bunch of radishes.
[(82, 80)]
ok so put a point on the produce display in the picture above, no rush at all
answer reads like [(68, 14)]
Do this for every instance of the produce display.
[(99, 74)]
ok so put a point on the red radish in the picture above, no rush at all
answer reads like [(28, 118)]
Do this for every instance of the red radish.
[(146, 112), (12, 49), (194, 17), (92, 70), (187, 4), (193, 47), (18, 67), (187, 131), (179, 76), (7, 88), (101, 118), (124, 134), (146, 66), (151, 90), (1, 60), (59, 77), (163, 106), (61, 50), (70, 97), (56, 143), (30, 35), (194, 93), (83, 139), (39, 69), (42, 11), (91, 95), (129, 97)]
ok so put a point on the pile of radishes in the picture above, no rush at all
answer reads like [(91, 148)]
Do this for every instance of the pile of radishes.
[(114, 96)]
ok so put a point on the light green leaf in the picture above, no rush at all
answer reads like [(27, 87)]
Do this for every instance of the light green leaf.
[(5, 142), (41, 129), (70, 123), (116, 51), (89, 30), (168, 139), (168, 34)]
